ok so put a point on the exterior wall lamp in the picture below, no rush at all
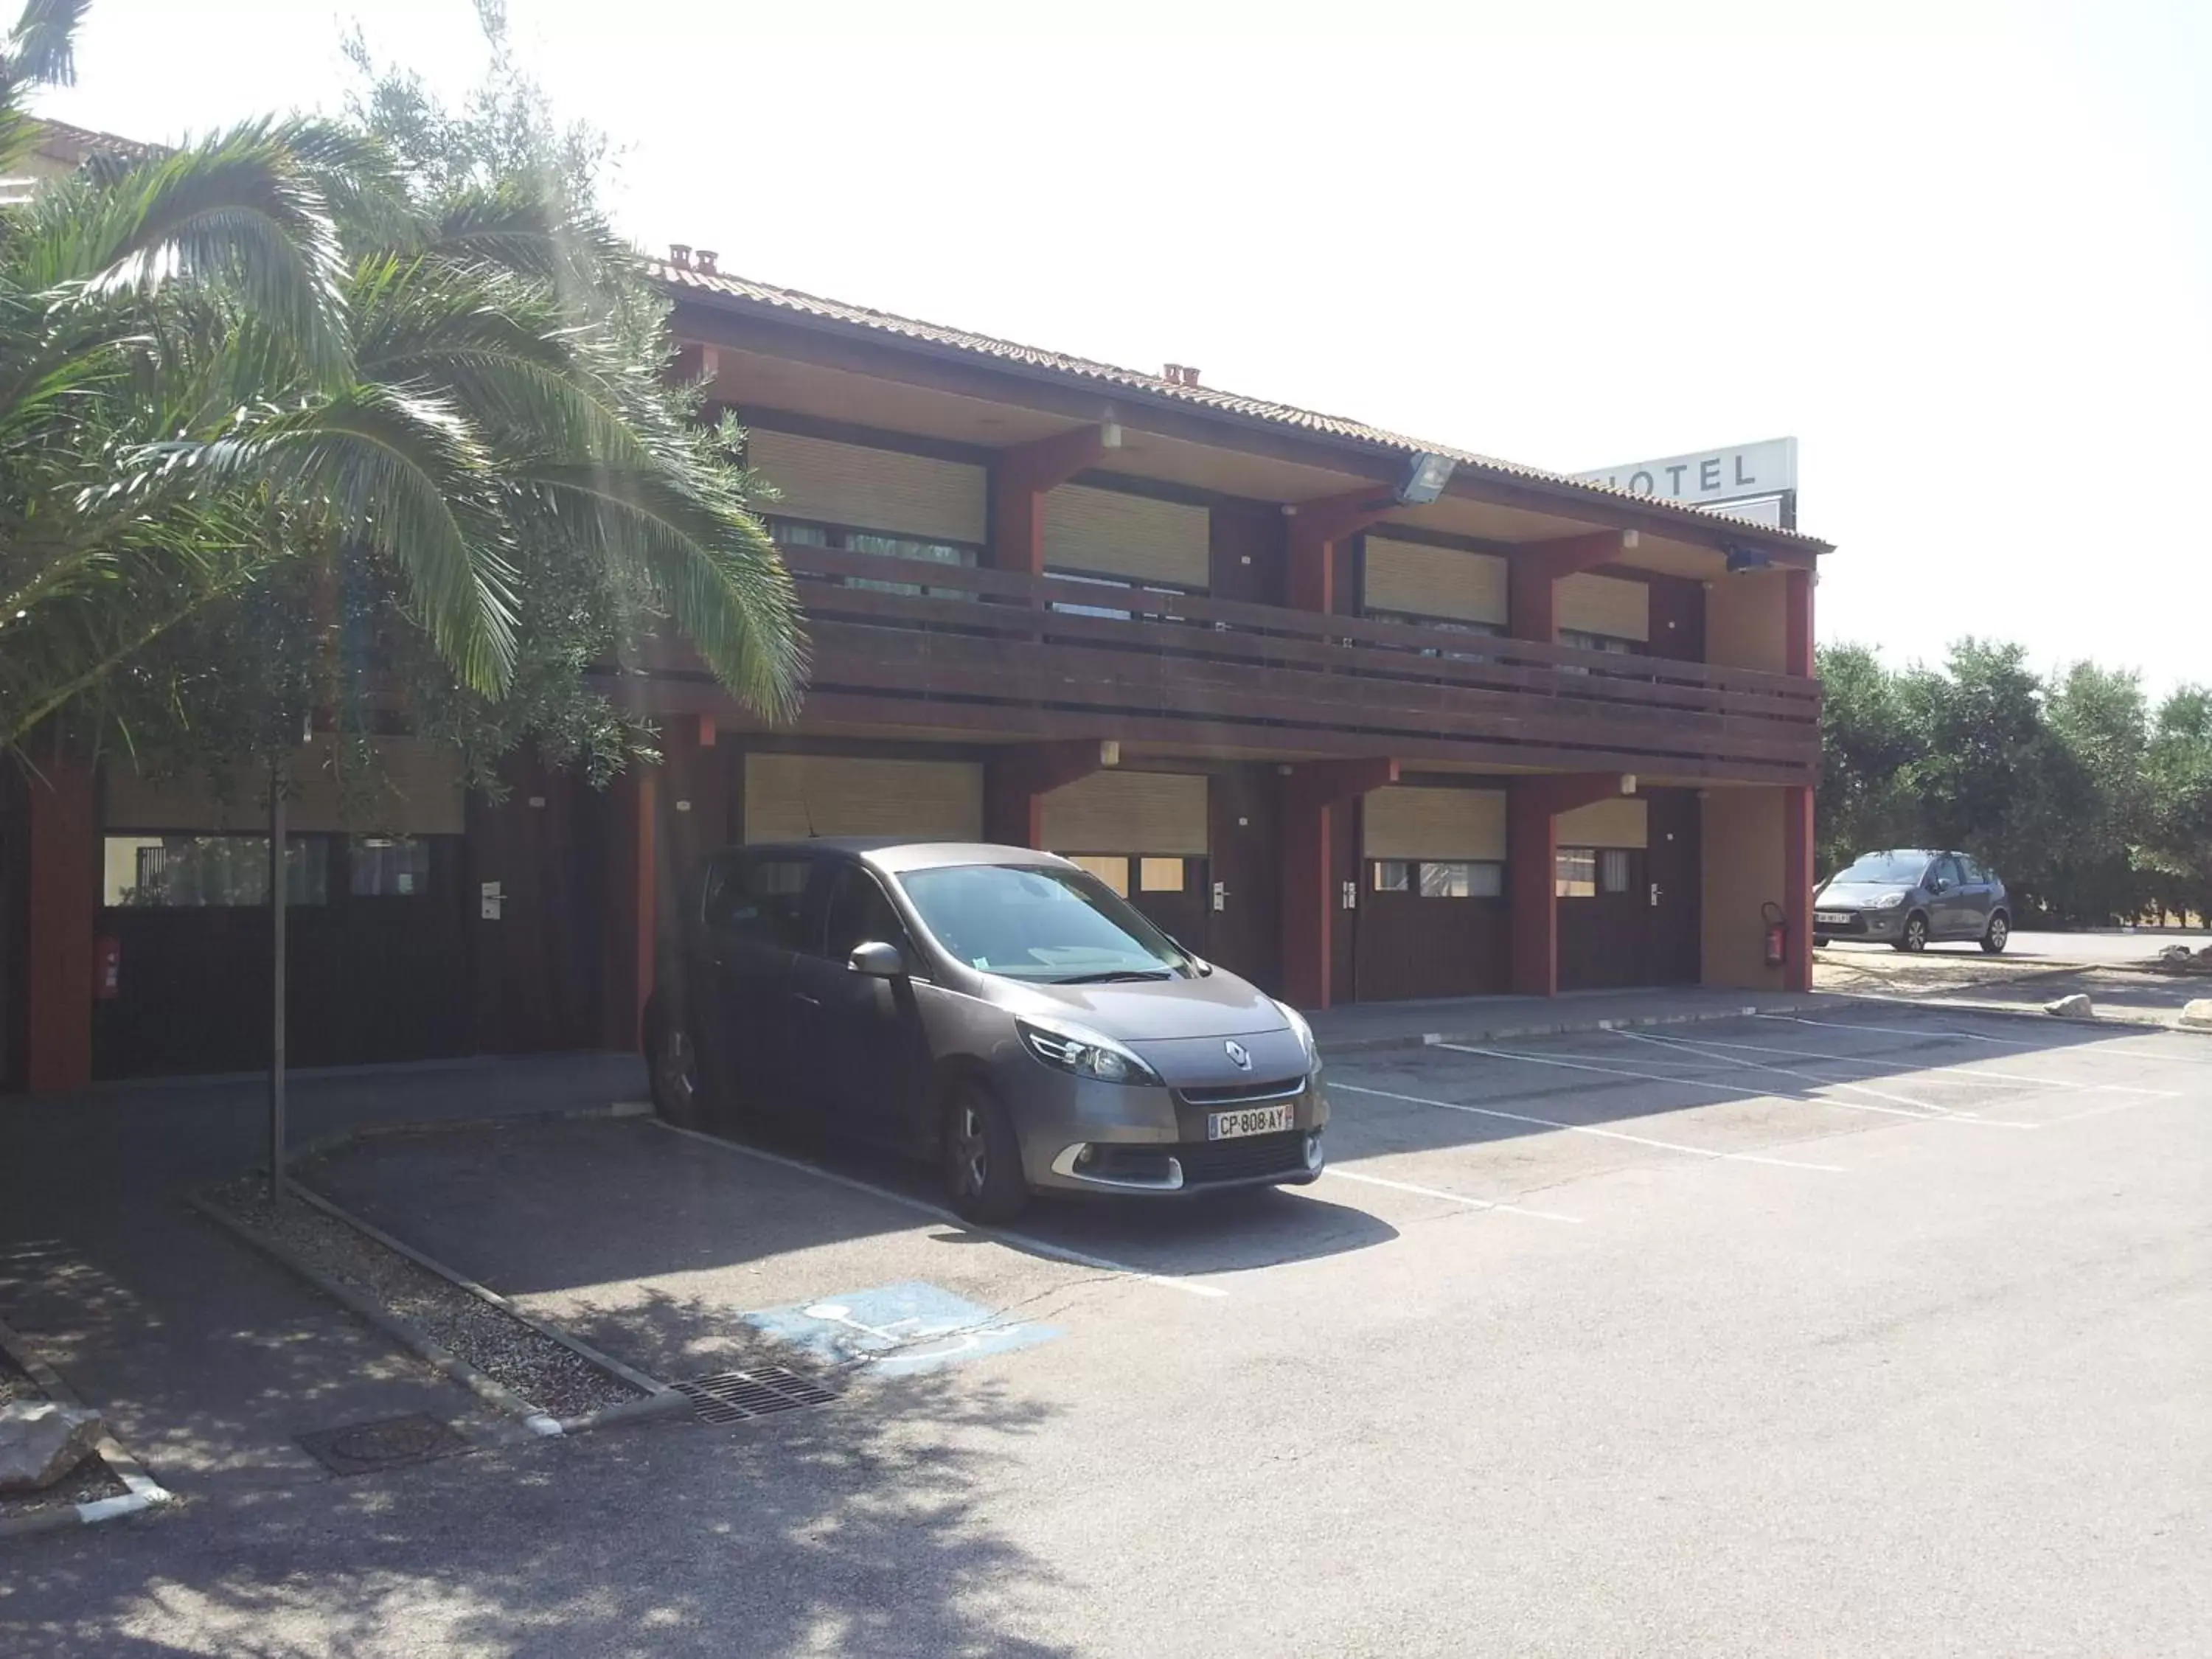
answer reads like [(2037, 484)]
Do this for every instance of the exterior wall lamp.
[(1425, 480)]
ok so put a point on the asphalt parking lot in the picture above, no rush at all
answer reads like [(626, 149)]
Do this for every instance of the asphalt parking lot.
[(1870, 1333)]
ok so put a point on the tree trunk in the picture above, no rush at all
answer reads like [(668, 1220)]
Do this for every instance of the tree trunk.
[(277, 896)]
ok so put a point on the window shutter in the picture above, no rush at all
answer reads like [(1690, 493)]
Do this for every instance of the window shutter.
[(795, 797), (1115, 812), (1421, 581), (1603, 605), (1403, 822), (870, 488), (1105, 533), (1619, 822)]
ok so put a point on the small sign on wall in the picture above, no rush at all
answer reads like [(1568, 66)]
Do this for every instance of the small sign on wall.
[(490, 903)]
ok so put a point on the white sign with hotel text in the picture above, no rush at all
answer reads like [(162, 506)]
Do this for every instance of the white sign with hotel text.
[(1708, 478)]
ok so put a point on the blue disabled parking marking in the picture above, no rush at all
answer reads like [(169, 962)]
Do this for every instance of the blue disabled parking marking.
[(897, 1329)]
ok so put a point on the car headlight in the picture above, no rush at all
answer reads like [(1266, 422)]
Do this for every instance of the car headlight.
[(1888, 902), (1297, 1022), (1082, 1052)]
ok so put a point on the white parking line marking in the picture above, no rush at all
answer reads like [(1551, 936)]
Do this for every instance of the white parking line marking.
[(1933, 1073), (1894, 1031), (1453, 1198), (1587, 1128), (1018, 1241), (1897, 1107)]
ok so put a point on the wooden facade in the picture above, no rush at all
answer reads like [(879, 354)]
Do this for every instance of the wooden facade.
[(1020, 574)]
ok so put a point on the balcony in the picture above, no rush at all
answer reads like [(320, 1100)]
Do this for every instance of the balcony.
[(955, 650)]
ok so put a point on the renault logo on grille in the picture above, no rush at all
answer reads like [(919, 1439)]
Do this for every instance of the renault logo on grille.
[(1239, 1056)]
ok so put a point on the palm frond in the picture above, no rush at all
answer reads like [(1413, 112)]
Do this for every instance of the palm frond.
[(237, 211), (721, 578)]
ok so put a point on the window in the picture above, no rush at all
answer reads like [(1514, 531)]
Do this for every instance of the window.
[(1607, 642), (187, 872), (760, 901), (1439, 877), (1612, 870), (1161, 875), (380, 866), (1112, 870), (1947, 869), (1442, 625), (1976, 876), (1575, 873), (859, 913)]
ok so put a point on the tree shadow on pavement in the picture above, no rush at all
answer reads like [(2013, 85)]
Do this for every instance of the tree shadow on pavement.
[(859, 1527)]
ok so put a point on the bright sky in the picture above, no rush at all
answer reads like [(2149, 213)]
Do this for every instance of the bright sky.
[(1962, 251)]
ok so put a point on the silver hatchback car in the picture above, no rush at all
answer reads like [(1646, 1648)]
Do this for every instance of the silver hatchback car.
[(999, 1011)]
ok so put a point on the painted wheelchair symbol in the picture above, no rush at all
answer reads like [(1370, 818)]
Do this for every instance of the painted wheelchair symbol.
[(898, 1330)]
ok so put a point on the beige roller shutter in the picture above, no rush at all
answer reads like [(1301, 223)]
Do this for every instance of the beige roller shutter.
[(1616, 823), (414, 789), (1113, 812), (1434, 581), (1603, 605), (1406, 822), (793, 797), (1105, 533), (870, 488)]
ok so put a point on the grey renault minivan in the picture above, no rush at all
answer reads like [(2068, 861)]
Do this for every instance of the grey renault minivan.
[(999, 1011)]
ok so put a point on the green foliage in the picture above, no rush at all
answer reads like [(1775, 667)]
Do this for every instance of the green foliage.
[(2091, 809), (360, 424)]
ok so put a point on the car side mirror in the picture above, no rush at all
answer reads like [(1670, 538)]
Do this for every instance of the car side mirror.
[(877, 960)]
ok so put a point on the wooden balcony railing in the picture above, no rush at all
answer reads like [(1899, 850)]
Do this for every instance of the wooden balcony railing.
[(903, 642)]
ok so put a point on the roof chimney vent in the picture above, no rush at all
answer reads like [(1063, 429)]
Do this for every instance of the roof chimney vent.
[(706, 257), (1180, 374), (679, 255)]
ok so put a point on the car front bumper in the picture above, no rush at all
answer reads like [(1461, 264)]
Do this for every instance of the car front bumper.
[(1856, 924), (1081, 1135)]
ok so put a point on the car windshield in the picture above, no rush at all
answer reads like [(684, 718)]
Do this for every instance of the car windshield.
[(1884, 870), (1038, 923)]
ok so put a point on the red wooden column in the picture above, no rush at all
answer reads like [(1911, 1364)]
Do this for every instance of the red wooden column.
[(633, 902), (1533, 806), (1315, 528), (1310, 895), (1533, 573), (60, 919), (1020, 477), (1017, 780), (1797, 802)]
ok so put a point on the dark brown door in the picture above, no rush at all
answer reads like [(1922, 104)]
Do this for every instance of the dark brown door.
[(1678, 618), (1244, 935), (1675, 893), (1420, 936), (1604, 928)]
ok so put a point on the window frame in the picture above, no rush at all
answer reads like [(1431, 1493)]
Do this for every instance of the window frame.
[(1563, 884)]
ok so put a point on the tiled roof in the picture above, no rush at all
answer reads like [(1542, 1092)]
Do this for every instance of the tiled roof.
[(60, 138), (744, 289)]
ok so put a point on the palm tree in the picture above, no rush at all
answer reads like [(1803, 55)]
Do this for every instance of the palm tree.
[(222, 359)]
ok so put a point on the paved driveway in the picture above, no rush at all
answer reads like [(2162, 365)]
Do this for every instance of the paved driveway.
[(1870, 1331)]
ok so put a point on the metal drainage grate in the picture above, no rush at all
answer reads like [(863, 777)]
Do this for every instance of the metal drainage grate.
[(391, 1442), (734, 1396)]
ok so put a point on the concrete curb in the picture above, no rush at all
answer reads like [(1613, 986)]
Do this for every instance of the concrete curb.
[(1570, 1027), (144, 1491), (487, 1388), (657, 1394), (2018, 1011)]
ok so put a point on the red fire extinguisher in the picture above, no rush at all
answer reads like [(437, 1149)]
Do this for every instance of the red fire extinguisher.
[(1778, 933), (107, 969)]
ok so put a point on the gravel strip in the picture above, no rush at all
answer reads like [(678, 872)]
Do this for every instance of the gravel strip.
[(541, 1371), (88, 1480)]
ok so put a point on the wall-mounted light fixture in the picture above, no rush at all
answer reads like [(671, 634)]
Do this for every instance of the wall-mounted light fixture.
[(1425, 480), (1742, 560)]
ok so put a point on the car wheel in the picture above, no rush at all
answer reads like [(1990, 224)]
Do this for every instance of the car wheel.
[(1915, 937), (982, 1158), (672, 1063), (1999, 932)]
